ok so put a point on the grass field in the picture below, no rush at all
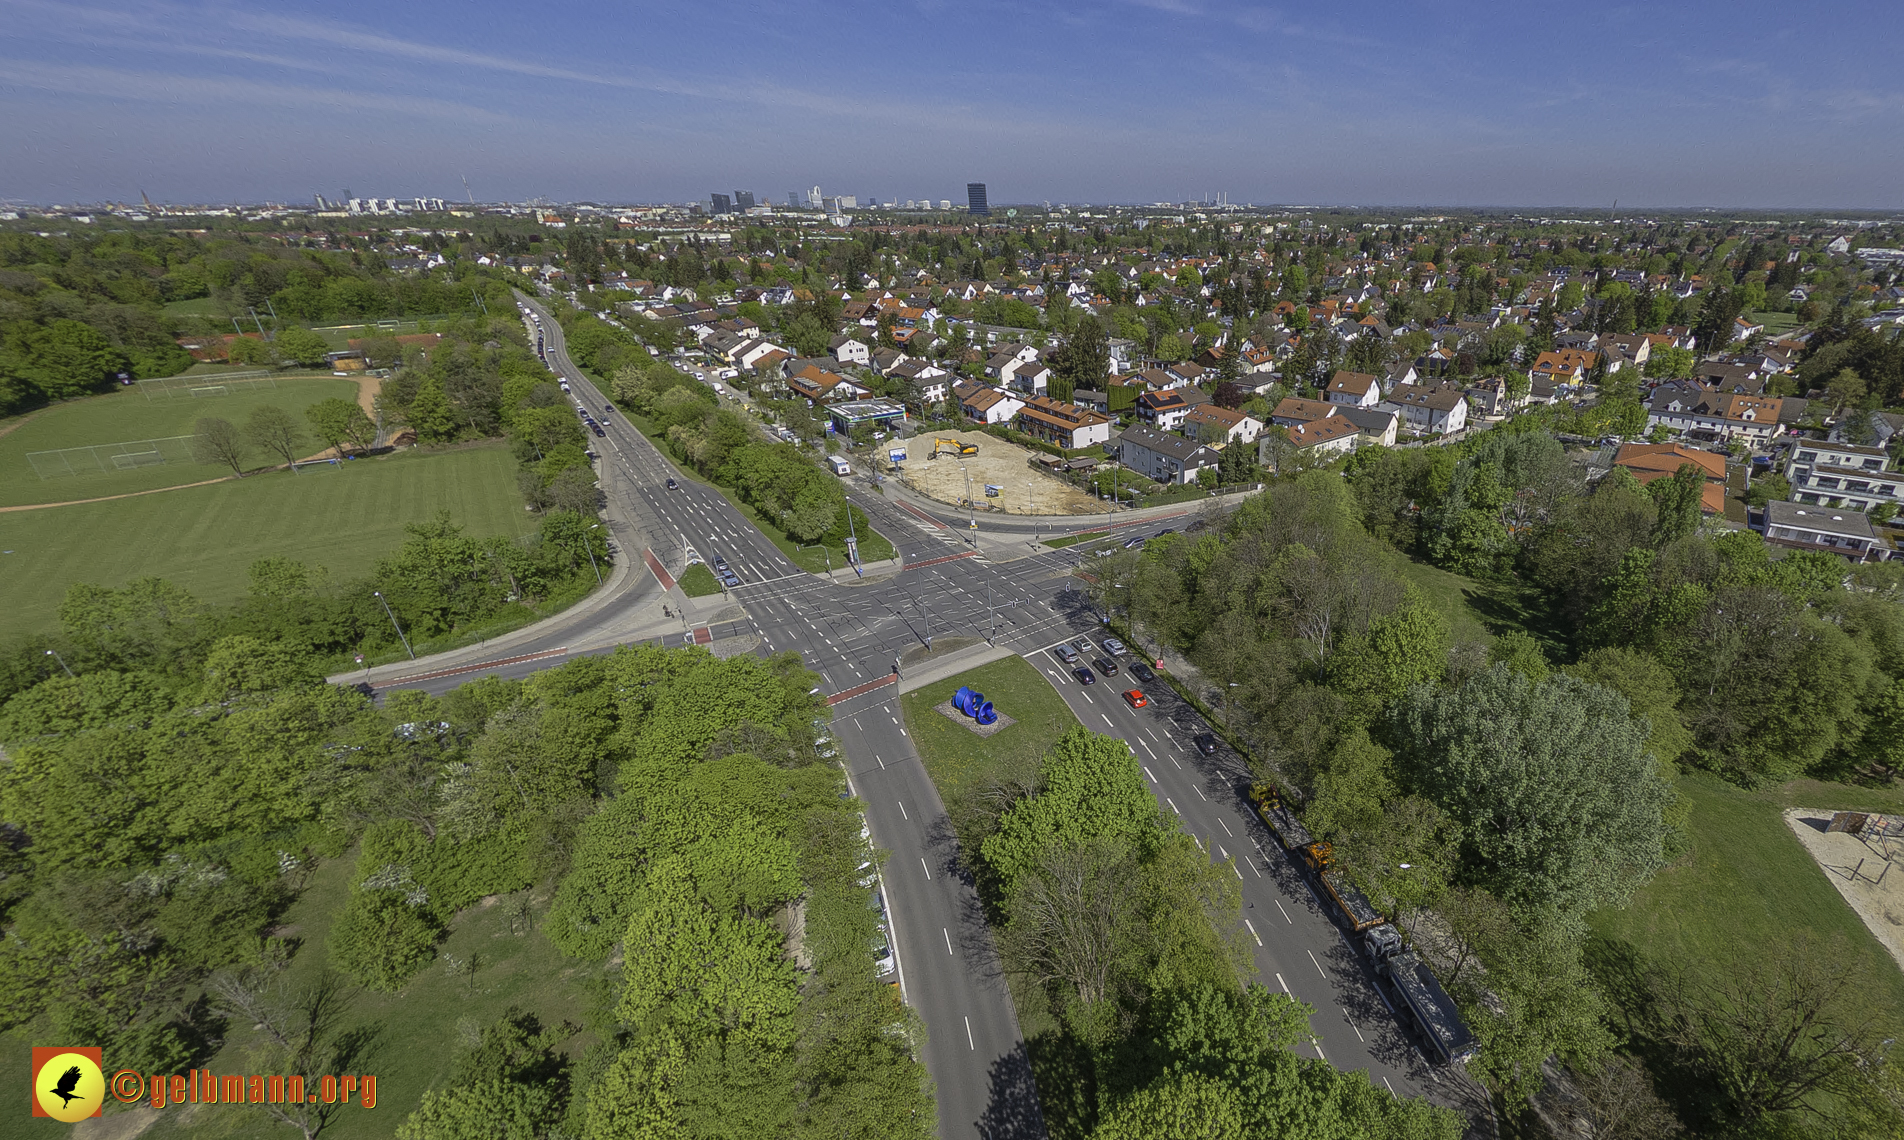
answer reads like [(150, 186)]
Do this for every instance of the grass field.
[(198, 307), (204, 538), (1776, 324), (1747, 884), (955, 756), (126, 415)]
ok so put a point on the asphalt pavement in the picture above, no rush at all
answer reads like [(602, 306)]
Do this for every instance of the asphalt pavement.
[(853, 634)]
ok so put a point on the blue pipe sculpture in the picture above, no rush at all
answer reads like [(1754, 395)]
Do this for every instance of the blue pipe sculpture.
[(973, 704)]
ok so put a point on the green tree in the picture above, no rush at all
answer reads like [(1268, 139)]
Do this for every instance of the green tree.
[(271, 428), (1093, 790), (300, 346), (430, 413), (1678, 503), (1404, 647), (336, 420), (1558, 802), (218, 441), (70, 358)]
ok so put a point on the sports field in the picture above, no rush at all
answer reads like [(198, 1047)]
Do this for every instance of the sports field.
[(127, 414), (204, 538)]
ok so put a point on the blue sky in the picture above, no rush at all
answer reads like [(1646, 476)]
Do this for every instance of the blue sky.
[(1664, 104)]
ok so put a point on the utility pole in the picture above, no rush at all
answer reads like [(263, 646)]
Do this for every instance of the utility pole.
[(590, 548), (393, 622)]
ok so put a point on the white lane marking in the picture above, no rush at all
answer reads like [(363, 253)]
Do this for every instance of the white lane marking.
[(923, 863), (1312, 958), (1108, 724), (1253, 870), (968, 1035), (882, 764), (902, 811), (903, 732), (1391, 1088), (1318, 1048), (1358, 1032), (1173, 806), (1199, 792), (1283, 984), (1225, 827), (948, 939), (1173, 759), (1253, 934), (1146, 768), (1146, 745)]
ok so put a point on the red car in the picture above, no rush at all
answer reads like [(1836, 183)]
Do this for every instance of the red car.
[(1136, 698)]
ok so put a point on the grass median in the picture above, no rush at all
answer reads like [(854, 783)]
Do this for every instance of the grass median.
[(955, 756)]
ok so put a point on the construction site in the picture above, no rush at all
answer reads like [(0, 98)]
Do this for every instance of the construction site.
[(942, 466)]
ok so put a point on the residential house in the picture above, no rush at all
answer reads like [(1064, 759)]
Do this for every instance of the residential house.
[(1832, 529), (1705, 413), (1355, 388), (1316, 440), (1564, 366), (1440, 409), (1292, 411), (1166, 409), (1208, 423), (1066, 425), (1033, 377), (824, 387), (1162, 457), (1373, 425), (929, 383), (1843, 475), (1650, 461), (851, 350), (1744, 328), (986, 404)]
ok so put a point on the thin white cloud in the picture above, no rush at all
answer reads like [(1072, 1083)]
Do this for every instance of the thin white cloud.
[(172, 87)]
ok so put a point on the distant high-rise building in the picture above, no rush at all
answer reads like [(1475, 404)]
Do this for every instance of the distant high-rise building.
[(814, 197), (793, 199), (743, 199), (722, 204), (945, 203), (975, 199)]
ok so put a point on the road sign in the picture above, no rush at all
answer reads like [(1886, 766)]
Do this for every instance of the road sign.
[(852, 550)]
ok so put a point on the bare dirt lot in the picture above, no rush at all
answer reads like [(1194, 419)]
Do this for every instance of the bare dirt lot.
[(999, 463), (1860, 870)]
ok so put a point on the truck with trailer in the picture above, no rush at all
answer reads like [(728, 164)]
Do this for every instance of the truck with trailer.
[(1437, 1022), (1445, 1037)]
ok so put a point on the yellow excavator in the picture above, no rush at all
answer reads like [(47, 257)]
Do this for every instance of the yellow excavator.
[(952, 447)]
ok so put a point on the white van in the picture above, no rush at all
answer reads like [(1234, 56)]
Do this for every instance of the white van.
[(839, 465)]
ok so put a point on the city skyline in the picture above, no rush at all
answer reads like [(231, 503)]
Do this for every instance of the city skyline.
[(1700, 105)]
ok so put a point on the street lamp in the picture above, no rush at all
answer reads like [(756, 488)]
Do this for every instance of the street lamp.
[(971, 508), (55, 656), (393, 622), (590, 548)]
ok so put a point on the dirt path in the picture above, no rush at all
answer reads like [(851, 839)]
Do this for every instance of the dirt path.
[(1860, 871), (21, 422), (109, 498)]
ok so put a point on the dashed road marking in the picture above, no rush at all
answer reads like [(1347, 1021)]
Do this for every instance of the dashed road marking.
[(1146, 768), (927, 866), (948, 938), (902, 811), (1312, 958), (1253, 934)]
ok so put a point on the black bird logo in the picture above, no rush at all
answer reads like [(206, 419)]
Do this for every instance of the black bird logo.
[(64, 1089)]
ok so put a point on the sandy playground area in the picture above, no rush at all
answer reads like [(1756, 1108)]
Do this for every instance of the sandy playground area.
[(1861, 870), (1004, 465)]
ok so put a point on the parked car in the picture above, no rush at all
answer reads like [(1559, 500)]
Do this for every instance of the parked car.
[(1084, 676), (1082, 644), (1142, 671), (1066, 654), (1136, 698), (1113, 646), (1106, 666), (1206, 743)]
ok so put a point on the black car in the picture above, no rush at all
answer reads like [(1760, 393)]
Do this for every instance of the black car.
[(1084, 676), (1141, 671), (599, 431), (672, 484), (720, 564), (1206, 743), (1106, 666)]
